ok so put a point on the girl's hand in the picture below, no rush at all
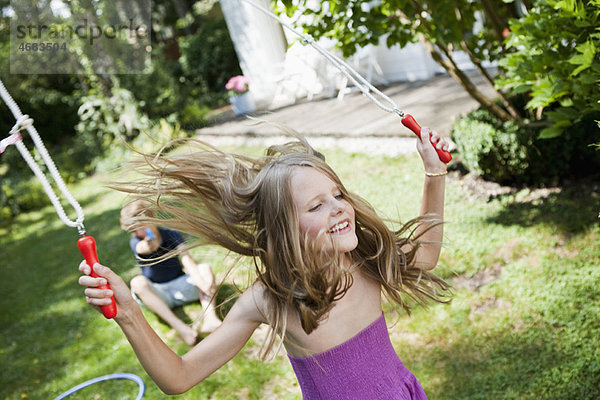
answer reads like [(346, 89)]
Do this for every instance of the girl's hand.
[(431, 160), (101, 297)]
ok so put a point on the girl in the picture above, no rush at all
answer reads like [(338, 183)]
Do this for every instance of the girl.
[(322, 257)]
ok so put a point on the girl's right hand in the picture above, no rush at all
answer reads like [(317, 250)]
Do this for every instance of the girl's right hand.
[(431, 160), (101, 297)]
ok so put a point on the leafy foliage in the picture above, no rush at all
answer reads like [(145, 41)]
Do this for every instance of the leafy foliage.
[(161, 98), (356, 23), (188, 75), (20, 195), (103, 121), (208, 58), (495, 151), (554, 58), (83, 118), (108, 118), (551, 54), (507, 152)]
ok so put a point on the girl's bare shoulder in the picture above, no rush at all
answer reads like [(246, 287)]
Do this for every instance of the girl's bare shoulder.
[(252, 303)]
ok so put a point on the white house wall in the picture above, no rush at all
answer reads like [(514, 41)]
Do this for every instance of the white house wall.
[(259, 44)]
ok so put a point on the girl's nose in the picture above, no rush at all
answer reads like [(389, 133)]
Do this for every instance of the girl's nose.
[(337, 208)]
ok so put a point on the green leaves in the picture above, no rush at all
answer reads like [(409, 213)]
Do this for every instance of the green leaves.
[(572, 7), (563, 117), (585, 59), (554, 56), (356, 23)]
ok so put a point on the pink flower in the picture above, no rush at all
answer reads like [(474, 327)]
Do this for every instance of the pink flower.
[(238, 84)]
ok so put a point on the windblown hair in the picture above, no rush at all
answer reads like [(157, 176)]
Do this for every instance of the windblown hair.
[(245, 205), (133, 211)]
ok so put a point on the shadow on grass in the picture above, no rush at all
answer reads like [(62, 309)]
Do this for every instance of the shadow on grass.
[(10, 228), (43, 265), (43, 309), (572, 211), (547, 347), (46, 326), (540, 362)]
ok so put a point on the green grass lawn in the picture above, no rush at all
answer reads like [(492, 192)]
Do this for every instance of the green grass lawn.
[(532, 333)]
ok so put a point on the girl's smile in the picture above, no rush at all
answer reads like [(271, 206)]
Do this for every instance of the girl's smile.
[(341, 228)]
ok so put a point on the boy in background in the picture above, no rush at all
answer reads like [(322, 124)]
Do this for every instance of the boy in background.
[(170, 282)]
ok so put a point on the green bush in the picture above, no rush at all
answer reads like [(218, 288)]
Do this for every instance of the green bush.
[(194, 115), (208, 60), (82, 119), (20, 196), (187, 86), (494, 151), (104, 120), (554, 58), (30, 195), (159, 93), (148, 142), (514, 154)]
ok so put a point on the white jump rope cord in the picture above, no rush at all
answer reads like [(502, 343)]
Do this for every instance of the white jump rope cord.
[(23, 121), (365, 86)]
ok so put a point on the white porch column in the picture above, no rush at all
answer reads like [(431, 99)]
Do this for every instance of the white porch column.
[(260, 46)]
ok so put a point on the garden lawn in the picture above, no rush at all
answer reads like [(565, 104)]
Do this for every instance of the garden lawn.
[(532, 333)]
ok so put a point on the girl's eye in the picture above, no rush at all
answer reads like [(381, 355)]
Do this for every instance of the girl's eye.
[(339, 196), (315, 208)]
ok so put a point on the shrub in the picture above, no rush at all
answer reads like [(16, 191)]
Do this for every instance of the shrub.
[(514, 154), (208, 60), (21, 195), (554, 59), (104, 120), (194, 115), (148, 142), (159, 92), (189, 81), (490, 149)]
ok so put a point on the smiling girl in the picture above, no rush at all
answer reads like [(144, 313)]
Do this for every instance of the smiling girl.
[(323, 257)]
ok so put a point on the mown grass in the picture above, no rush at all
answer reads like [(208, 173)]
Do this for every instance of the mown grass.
[(532, 333)]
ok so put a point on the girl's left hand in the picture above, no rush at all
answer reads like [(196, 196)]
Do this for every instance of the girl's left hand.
[(431, 160)]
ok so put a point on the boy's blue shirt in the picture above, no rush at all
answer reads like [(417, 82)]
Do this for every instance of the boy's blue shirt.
[(166, 270)]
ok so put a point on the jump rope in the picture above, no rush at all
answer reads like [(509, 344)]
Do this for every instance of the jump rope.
[(87, 244)]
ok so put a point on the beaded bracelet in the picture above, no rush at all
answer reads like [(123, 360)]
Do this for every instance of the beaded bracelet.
[(432, 174)]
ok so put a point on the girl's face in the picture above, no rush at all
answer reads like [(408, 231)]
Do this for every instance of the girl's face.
[(323, 213)]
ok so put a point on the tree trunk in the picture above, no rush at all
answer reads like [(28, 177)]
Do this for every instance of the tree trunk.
[(449, 65), (507, 104)]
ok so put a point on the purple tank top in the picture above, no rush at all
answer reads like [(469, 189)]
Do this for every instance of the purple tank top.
[(364, 367)]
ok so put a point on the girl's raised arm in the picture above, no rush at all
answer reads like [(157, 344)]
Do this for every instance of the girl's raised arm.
[(433, 198), (172, 373)]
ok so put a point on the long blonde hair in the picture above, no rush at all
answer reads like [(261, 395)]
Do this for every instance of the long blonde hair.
[(245, 205)]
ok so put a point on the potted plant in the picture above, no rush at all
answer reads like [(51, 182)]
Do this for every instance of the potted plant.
[(239, 95)]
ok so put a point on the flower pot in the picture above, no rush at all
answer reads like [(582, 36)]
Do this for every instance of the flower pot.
[(242, 104)]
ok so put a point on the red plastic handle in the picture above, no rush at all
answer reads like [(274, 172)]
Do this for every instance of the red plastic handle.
[(87, 247), (411, 124)]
